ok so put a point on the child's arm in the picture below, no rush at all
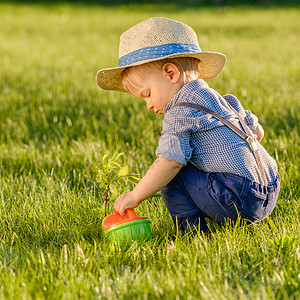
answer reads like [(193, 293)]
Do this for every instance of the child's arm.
[(259, 131), (161, 172)]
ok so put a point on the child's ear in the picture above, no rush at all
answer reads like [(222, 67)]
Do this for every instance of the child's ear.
[(171, 71)]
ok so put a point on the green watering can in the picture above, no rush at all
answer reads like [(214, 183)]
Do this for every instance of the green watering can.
[(126, 229)]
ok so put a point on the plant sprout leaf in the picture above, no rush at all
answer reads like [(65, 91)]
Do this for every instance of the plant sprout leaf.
[(123, 171), (134, 178), (113, 165), (105, 159), (117, 155)]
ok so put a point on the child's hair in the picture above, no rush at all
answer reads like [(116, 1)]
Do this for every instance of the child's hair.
[(188, 66)]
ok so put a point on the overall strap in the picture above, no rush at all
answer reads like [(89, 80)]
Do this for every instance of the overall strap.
[(247, 135)]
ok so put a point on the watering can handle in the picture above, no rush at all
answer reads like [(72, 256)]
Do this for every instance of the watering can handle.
[(129, 212)]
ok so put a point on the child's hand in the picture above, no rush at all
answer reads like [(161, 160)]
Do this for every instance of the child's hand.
[(125, 201)]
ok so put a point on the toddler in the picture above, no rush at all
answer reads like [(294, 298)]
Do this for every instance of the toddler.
[(210, 164)]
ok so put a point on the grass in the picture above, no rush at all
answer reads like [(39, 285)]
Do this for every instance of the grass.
[(56, 125)]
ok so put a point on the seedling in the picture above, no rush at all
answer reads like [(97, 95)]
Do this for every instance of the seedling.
[(114, 177)]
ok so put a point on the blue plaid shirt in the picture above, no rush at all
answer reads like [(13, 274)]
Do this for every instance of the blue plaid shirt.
[(191, 135)]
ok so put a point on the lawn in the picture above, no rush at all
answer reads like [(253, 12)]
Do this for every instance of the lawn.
[(56, 125)]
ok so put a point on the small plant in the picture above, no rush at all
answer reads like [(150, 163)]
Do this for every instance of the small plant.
[(114, 177)]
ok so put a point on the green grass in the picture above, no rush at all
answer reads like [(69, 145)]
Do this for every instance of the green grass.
[(55, 126)]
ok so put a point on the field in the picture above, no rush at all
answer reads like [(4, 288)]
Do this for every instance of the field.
[(56, 125)]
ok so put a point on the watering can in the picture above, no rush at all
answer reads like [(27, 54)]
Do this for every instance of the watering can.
[(126, 229)]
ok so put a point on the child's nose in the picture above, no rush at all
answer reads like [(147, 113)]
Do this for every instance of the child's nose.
[(149, 105)]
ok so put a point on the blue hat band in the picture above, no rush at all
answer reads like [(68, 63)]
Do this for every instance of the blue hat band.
[(157, 52)]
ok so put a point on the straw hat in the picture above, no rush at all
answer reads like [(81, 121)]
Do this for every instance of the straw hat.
[(155, 39)]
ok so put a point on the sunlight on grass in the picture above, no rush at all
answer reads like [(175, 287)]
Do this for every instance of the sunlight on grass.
[(56, 125)]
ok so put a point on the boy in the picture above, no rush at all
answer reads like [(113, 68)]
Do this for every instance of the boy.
[(209, 161)]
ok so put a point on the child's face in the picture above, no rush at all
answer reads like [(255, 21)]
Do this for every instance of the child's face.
[(154, 86)]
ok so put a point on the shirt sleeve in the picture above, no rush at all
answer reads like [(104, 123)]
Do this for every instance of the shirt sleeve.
[(174, 143), (250, 119)]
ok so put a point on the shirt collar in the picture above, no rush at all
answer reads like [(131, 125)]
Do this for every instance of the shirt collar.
[(184, 91)]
